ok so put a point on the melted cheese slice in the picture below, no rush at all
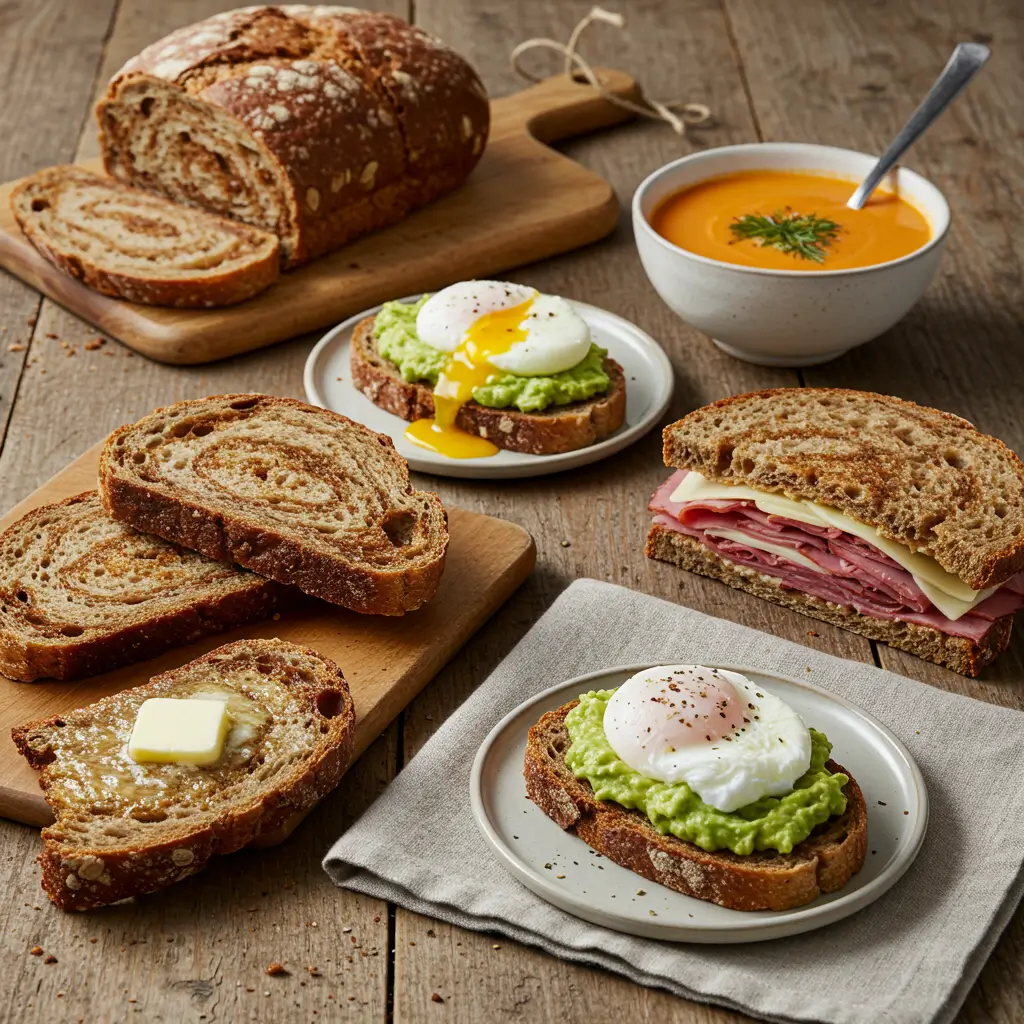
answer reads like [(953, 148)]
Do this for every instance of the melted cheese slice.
[(947, 592)]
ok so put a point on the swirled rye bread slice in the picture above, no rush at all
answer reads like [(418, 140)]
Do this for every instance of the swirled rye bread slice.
[(132, 245), (767, 880), (125, 828), (81, 593), (917, 506), (298, 494), (559, 428)]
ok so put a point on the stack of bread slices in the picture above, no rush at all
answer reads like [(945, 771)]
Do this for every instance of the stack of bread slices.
[(209, 514)]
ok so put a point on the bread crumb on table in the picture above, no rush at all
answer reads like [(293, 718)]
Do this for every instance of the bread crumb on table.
[(275, 969)]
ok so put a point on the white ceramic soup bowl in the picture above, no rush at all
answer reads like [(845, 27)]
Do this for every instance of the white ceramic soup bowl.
[(785, 317)]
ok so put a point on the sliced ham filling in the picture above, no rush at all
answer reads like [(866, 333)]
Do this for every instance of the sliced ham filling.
[(830, 564)]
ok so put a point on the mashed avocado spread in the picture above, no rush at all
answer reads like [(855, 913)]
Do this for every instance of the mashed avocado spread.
[(395, 329), (771, 823)]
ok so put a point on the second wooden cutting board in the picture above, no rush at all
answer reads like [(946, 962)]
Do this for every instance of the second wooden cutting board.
[(524, 202), (386, 661)]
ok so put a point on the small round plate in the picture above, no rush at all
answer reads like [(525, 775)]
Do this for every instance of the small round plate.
[(328, 383), (563, 870)]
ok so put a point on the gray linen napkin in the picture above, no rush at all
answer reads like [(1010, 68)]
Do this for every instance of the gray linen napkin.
[(908, 958)]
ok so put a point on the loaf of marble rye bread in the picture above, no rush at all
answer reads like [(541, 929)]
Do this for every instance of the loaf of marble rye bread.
[(316, 123), (309, 125)]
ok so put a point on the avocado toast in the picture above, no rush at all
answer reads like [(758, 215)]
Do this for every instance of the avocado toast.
[(776, 852), (544, 415)]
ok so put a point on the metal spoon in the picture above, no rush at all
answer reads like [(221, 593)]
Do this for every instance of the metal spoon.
[(966, 62)]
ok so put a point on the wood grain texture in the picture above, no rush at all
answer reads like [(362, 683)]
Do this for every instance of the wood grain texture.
[(483, 227), (960, 348), (697, 49)]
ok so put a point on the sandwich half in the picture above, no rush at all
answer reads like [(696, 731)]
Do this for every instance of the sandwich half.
[(902, 523)]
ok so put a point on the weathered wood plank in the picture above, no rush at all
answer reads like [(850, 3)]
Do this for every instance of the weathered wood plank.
[(960, 348), (679, 49), (49, 52), (199, 950)]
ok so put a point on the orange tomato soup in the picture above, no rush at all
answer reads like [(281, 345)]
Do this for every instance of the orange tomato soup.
[(699, 218)]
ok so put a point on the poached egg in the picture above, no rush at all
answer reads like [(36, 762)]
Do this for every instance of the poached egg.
[(489, 328), (731, 741)]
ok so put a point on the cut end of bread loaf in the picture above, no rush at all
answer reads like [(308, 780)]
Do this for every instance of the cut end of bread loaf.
[(132, 245), (316, 123), (922, 477), (124, 829), (81, 593), (296, 493), (824, 862), (958, 653), (561, 428)]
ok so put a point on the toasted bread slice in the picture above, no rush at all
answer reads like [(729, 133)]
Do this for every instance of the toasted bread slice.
[(81, 593), (923, 478), (959, 653), (134, 245), (562, 428), (298, 494), (124, 829), (824, 862)]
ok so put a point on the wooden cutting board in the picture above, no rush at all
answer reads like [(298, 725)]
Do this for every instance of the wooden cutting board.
[(386, 661), (524, 202)]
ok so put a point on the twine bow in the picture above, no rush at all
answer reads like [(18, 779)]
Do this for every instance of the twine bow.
[(676, 113)]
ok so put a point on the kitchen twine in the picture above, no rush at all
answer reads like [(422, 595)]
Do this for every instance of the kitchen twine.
[(689, 114)]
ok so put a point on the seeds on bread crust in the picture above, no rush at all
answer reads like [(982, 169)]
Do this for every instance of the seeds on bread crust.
[(123, 829), (81, 593), (296, 493)]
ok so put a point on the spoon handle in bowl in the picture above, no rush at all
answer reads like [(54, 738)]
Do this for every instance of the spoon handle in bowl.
[(966, 62)]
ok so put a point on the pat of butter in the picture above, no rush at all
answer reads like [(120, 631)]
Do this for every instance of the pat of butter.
[(179, 730)]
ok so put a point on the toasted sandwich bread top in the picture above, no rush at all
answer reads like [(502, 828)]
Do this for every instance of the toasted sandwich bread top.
[(922, 477), (296, 493), (81, 593), (125, 828)]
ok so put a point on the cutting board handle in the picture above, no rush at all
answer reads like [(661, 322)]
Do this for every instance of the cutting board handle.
[(560, 107)]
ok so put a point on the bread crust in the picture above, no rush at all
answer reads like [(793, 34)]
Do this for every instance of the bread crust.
[(924, 478), (958, 653), (352, 117), (44, 652), (78, 876), (202, 289), (339, 576), (824, 862), (563, 428)]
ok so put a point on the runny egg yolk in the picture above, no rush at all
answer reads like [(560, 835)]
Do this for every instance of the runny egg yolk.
[(469, 368)]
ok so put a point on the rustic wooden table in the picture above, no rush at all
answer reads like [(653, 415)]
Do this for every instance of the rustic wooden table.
[(846, 72)]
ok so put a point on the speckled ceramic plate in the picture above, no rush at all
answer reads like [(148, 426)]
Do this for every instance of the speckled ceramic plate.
[(563, 870), (649, 383)]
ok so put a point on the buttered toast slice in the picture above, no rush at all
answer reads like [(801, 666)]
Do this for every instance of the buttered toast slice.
[(125, 828), (824, 862), (560, 428), (134, 245), (298, 494), (81, 593)]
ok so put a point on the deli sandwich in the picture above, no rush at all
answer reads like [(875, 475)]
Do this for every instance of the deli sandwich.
[(902, 523)]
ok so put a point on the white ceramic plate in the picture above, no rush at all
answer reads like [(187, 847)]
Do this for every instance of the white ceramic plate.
[(594, 888), (648, 391)]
